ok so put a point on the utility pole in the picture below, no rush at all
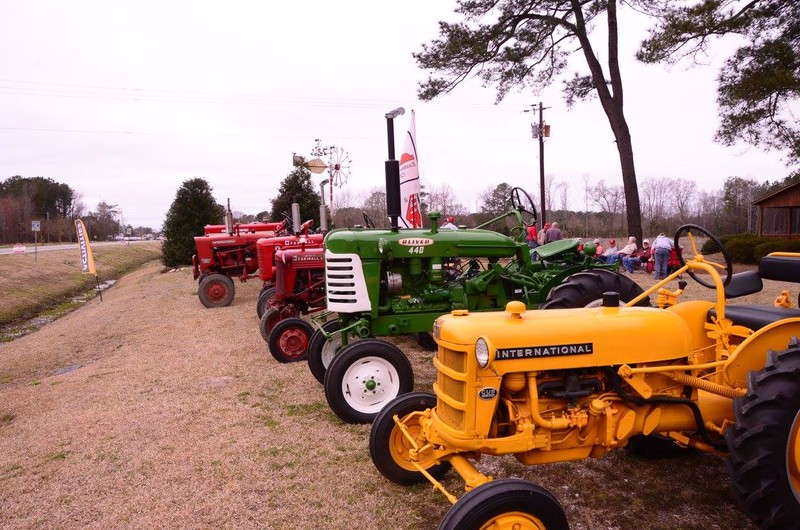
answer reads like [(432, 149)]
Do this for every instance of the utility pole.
[(540, 131)]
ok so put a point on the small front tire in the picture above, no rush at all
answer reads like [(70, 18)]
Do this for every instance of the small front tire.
[(216, 290), (288, 341), (321, 351), (268, 320), (389, 448), (263, 300), (364, 377), (506, 503)]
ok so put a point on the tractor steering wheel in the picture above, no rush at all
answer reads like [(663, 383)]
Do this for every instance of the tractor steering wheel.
[(368, 220), (689, 229), (522, 202)]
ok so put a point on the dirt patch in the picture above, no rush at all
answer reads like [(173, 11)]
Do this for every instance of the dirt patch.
[(147, 410)]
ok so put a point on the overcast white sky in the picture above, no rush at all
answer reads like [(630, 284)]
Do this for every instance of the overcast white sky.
[(124, 101)]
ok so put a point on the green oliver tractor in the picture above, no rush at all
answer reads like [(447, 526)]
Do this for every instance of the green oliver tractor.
[(388, 282)]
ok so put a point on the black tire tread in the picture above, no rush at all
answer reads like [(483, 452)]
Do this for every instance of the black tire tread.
[(585, 287), (757, 443)]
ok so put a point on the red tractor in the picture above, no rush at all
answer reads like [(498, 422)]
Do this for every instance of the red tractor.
[(299, 290), (266, 247), (222, 256)]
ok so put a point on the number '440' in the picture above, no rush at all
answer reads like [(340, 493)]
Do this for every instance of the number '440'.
[(416, 250)]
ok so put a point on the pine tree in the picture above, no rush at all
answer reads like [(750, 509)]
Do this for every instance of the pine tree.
[(193, 208), (297, 187)]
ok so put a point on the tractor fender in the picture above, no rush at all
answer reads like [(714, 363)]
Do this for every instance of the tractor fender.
[(751, 354)]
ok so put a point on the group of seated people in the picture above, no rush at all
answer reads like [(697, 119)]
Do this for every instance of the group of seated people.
[(631, 256)]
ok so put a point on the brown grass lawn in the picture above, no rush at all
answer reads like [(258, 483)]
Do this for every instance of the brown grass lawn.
[(30, 283), (147, 410)]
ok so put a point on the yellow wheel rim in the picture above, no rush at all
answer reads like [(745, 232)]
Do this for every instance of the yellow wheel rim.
[(400, 447), (793, 457), (514, 521)]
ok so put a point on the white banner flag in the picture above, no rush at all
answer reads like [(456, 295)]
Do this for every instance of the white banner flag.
[(409, 179)]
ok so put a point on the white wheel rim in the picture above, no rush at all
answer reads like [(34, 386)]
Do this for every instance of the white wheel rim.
[(369, 384), (329, 349)]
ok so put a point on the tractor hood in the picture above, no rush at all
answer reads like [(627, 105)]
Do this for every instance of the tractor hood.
[(380, 244), (567, 338)]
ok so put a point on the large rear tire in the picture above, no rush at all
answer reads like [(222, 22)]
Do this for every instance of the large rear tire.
[(216, 290), (764, 444), (263, 300), (288, 341), (506, 503), (587, 287), (364, 377), (389, 448)]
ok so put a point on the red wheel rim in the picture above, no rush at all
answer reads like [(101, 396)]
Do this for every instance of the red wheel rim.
[(216, 291), (293, 342)]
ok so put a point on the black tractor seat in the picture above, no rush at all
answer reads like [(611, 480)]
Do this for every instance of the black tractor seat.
[(755, 316)]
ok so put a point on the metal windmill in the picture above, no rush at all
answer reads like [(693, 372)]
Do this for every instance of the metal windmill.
[(338, 167)]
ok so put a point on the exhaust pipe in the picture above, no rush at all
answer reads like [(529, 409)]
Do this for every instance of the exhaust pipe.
[(323, 218), (229, 219), (393, 207), (295, 218)]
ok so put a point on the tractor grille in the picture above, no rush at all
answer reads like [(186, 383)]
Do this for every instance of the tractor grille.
[(451, 387), (346, 289)]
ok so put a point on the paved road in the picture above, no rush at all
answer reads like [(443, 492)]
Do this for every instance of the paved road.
[(30, 248)]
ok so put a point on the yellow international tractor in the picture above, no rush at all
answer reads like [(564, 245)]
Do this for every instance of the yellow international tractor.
[(565, 384)]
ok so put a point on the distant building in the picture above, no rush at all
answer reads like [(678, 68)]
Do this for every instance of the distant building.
[(779, 212)]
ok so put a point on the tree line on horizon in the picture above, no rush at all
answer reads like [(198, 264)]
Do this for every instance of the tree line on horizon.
[(56, 206)]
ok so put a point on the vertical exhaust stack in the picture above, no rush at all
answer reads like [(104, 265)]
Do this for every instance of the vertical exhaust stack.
[(393, 207), (229, 219), (323, 219), (295, 218)]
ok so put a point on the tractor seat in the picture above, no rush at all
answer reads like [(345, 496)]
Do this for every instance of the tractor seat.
[(754, 316)]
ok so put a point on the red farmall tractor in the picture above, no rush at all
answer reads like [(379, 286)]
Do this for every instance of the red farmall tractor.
[(565, 384), (267, 247), (225, 252), (299, 290)]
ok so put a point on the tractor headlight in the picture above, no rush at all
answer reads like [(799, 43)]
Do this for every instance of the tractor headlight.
[(482, 353)]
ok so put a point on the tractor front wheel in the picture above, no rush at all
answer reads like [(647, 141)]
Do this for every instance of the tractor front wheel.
[(321, 351), (268, 320), (263, 300), (586, 288), (216, 290), (764, 445), (288, 341), (390, 449), (365, 376), (506, 503)]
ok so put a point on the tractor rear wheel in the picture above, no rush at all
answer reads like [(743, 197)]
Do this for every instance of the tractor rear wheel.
[(764, 444), (322, 351), (216, 290), (587, 287), (506, 503), (365, 376), (263, 300), (389, 447), (268, 320), (288, 341)]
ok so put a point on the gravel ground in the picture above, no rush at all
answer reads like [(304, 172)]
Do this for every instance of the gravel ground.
[(147, 410)]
